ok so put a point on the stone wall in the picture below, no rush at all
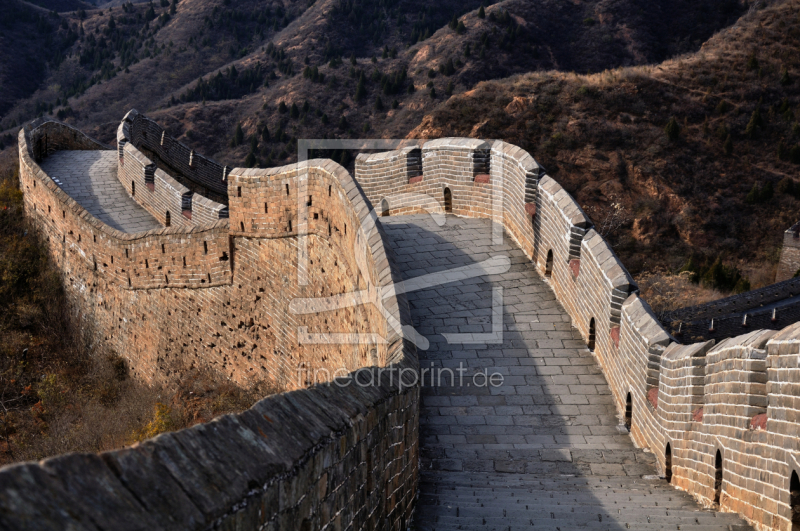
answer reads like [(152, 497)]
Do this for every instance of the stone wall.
[(169, 201), (339, 451), (789, 263), (141, 131), (684, 402), (771, 307)]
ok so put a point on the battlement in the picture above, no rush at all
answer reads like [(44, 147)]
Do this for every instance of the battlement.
[(169, 201), (721, 419), (685, 402), (143, 132)]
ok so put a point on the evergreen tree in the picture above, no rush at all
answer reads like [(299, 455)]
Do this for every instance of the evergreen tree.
[(785, 79), (755, 121), (361, 91), (449, 90), (282, 108), (481, 13), (265, 133), (467, 51), (453, 23), (461, 28), (752, 62), (250, 161), (238, 135), (295, 112), (727, 147), (379, 104), (794, 154), (672, 129), (433, 93)]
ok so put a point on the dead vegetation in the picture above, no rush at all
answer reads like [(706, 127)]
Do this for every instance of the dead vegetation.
[(696, 150), (59, 390)]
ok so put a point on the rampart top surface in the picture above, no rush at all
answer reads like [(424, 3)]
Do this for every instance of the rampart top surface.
[(90, 178), (543, 447)]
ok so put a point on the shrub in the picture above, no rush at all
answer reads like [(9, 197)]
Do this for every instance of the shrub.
[(723, 107), (162, 422), (787, 186), (395, 104), (449, 90), (433, 93), (588, 21), (672, 129)]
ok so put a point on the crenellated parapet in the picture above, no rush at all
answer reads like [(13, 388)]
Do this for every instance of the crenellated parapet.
[(685, 402), (297, 278), (145, 133), (168, 200)]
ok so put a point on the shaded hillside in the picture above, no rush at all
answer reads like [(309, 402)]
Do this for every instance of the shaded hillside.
[(696, 156), (155, 54), (30, 44), (372, 94), (62, 5)]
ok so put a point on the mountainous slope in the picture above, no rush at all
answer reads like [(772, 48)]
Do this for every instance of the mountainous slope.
[(154, 55), (241, 81), (695, 156)]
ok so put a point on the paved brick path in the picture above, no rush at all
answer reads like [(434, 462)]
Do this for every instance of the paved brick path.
[(90, 178), (543, 451)]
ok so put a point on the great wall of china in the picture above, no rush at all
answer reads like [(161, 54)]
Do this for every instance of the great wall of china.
[(720, 419)]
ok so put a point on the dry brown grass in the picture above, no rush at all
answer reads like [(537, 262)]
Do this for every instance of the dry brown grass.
[(602, 136), (665, 291), (60, 391)]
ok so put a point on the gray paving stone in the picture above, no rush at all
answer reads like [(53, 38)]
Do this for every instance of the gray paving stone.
[(542, 449), (90, 178)]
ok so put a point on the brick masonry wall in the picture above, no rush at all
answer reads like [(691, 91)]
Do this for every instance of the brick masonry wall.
[(141, 131), (330, 454), (697, 398), (157, 191), (789, 263)]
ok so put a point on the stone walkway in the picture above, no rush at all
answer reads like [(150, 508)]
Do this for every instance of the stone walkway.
[(90, 178), (543, 450)]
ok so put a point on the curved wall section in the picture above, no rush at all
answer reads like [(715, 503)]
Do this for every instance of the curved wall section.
[(732, 398), (141, 131), (338, 453)]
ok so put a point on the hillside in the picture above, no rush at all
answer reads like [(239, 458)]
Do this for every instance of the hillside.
[(154, 55), (720, 183), (346, 69)]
